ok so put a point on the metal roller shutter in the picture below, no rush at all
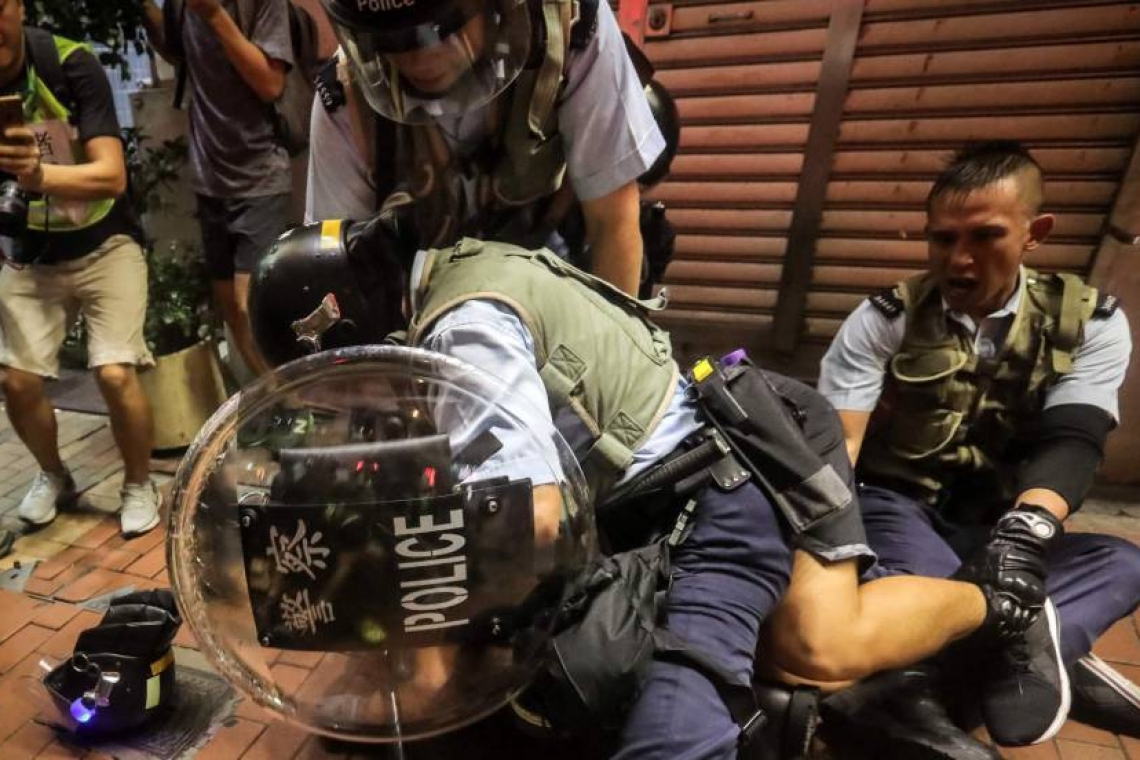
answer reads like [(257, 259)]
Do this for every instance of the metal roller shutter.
[(924, 76)]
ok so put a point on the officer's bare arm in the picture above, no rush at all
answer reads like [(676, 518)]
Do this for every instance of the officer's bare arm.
[(104, 175), (614, 233), (854, 429), (264, 75)]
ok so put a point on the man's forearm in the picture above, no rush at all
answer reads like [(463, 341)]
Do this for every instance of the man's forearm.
[(617, 260), (264, 76), (613, 232), (89, 182)]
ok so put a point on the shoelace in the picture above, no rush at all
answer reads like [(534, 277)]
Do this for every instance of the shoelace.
[(41, 484)]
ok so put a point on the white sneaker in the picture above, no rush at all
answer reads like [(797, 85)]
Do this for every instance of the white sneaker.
[(139, 510), (48, 492)]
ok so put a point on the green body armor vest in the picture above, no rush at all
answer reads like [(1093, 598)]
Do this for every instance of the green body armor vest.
[(951, 437), (50, 119), (595, 348)]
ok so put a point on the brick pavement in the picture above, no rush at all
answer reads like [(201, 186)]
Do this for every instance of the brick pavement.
[(82, 556)]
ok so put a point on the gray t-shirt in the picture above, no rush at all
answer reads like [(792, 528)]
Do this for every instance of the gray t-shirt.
[(608, 131), (232, 146)]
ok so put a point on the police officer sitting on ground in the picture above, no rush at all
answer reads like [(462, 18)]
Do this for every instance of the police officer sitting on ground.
[(577, 351), (997, 386), (476, 112), (80, 251)]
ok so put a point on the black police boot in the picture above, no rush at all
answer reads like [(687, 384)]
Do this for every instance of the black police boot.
[(786, 722), (898, 714), (1104, 698)]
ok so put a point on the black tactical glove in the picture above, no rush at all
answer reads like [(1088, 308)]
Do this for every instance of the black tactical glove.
[(1010, 569)]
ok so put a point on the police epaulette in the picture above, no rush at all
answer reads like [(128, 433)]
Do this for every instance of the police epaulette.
[(329, 89), (888, 303), (1106, 306)]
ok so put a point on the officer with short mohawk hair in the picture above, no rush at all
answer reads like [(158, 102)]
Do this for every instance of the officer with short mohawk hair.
[(994, 388)]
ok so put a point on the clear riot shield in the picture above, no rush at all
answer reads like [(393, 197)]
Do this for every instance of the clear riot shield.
[(379, 509)]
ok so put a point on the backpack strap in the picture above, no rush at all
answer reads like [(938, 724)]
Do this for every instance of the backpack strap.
[(45, 59), (173, 22)]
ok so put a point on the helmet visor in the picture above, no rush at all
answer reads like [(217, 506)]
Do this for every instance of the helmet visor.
[(457, 61)]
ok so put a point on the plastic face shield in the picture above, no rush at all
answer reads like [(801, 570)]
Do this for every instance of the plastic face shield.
[(445, 67), (365, 506)]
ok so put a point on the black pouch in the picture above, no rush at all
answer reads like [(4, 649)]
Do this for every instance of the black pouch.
[(789, 439), (605, 641)]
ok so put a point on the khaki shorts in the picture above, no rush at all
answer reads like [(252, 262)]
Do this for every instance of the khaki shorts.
[(38, 303)]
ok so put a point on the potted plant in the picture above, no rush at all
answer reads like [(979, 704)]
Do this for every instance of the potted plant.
[(185, 386)]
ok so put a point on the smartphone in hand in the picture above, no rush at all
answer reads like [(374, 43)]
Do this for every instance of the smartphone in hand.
[(11, 112)]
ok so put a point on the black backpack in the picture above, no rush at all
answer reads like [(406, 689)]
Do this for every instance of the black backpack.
[(290, 112)]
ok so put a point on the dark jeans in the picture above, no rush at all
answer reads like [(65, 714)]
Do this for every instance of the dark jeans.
[(1093, 579), (728, 574)]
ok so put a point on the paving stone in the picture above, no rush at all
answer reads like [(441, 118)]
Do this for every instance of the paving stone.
[(150, 564), (18, 612), (69, 526), (117, 559), (61, 643), (1079, 732), (147, 541), (95, 582), (28, 741), (1071, 750), (1046, 751), (279, 740), (1119, 643), (39, 547), (250, 710), (55, 615), (301, 659), (231, 741), (105, 529), (289, 677), (53, 567), (21, 644), (16, 713)]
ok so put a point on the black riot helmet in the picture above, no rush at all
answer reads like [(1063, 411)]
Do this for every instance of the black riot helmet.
[(419, 60), (664, 110), (122, 670), (328, 284)]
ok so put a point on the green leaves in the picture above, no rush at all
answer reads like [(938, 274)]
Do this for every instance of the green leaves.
[(116, 25), (178, 310)]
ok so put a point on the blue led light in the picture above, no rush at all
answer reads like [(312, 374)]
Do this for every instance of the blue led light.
[(81, 712)]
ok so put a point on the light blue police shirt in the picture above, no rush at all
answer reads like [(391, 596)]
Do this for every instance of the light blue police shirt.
[(854, 368)]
